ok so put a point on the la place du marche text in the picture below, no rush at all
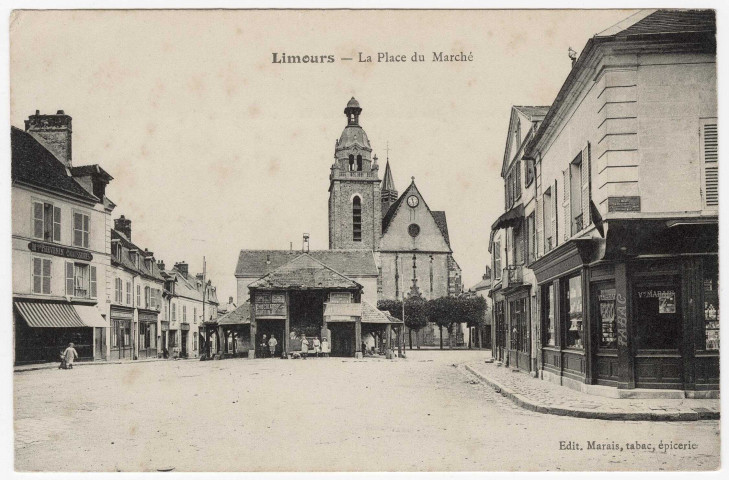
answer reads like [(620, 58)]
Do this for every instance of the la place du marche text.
[(380, 57)]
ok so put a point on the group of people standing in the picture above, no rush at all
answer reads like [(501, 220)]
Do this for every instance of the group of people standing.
[(268, 346)]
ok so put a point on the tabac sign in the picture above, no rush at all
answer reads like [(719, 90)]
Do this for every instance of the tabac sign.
[(60, 251), (270, 305)]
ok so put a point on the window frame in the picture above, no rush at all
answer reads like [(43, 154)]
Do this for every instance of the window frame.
[(56, 218), (565, 322)]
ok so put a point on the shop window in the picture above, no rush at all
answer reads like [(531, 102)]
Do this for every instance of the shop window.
[(548, 314), (572, 298), (41, 275), (657, 317), (711, 304), (605, 312), (114, 333), (46, 222), (80, 230), (519, 321)]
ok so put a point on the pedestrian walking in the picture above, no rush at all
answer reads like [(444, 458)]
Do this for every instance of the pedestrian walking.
[(68, 356), (272, 345), (317, 346), (304, 346)]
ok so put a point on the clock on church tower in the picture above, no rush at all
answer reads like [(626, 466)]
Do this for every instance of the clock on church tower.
[(355, 217)]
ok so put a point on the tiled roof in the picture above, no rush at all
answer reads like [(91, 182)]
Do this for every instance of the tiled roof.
[(370, 314), (440, 220), (672, 21), (675, 24), (304, 272), (352, 263), (239, 316), (483, 284), (532, 111), (126, 259), (185, 286), (33, 164)]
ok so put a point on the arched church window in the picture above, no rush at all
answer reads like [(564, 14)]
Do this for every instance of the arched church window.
[(351, 163), (359, 163), (356, 219)]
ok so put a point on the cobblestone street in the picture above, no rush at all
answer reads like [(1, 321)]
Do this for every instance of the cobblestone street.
[(333, 414)]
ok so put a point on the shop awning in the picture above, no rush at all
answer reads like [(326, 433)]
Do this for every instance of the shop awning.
[(510, 218), (90, 316), (342, 309), (49, 314)]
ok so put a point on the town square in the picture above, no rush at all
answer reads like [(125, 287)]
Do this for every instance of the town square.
[(264, 250)]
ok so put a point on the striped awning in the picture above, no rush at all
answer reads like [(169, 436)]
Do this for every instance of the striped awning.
[(49, 315)]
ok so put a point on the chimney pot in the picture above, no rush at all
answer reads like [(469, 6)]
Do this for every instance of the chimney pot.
[(124, 225)]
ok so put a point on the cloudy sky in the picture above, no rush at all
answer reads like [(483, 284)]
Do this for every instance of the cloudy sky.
[(213, 148)]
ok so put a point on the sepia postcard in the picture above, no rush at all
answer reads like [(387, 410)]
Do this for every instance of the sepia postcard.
[(280, 240)]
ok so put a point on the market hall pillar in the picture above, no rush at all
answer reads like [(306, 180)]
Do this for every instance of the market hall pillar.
[(388, 341), (221, 341), (287, 326), (624, 324), (254, 341), (358, 338)]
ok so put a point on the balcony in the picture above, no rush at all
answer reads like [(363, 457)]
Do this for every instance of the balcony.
[(512, 277), (346, 174)]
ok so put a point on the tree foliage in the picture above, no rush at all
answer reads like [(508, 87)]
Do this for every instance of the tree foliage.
[(416, 313)]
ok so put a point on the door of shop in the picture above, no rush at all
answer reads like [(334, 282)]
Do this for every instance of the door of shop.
[(500, 345), (121, 339), (657, 333), (519, 344), (183, 343), (99, 343), (342, 339)]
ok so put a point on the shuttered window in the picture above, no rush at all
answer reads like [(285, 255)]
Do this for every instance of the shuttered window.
[(710, 157), (41, 274), (92, 282), (566, 188), (80, 230), (46, 222)]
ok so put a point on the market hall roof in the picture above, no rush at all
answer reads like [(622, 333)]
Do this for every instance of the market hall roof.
[(351, 263), (305, 272), (33, 164), (239, 316)]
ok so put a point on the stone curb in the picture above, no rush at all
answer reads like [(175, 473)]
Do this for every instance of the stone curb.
[(54, 365), (528, 404)]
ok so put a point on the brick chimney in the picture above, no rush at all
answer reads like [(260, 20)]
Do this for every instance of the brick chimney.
[(53, 132), (124, 225), (161, 265), (487, 275), (182, 267)]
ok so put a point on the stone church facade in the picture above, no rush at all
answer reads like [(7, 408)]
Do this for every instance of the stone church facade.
[(410, 241)]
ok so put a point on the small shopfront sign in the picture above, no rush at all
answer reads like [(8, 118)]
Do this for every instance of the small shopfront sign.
[(270, 305), (60, 251)]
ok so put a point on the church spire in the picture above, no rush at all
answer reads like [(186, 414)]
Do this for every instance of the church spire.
[(388, 190)]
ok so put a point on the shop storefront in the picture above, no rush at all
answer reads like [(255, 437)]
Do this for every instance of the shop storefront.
[(43, 329), (147, 337), (121, 333), (631, 313)]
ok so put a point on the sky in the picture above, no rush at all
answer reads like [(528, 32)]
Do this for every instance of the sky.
[(214, 148)]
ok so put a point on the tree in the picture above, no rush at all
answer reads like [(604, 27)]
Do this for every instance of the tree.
[(416, 316), (441, 312), (472, 311)]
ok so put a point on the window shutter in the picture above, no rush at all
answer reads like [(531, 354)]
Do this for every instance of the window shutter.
[(69, 278), (92, 281), (709, 144), (77, 225), (586, 190), (555, 230), (56, 224), (86, 231), (46, 276), (540, 232), (37, 220), (37, 266), (566, 204)]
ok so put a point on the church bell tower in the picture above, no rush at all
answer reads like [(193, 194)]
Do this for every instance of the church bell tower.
[(355, 218)]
